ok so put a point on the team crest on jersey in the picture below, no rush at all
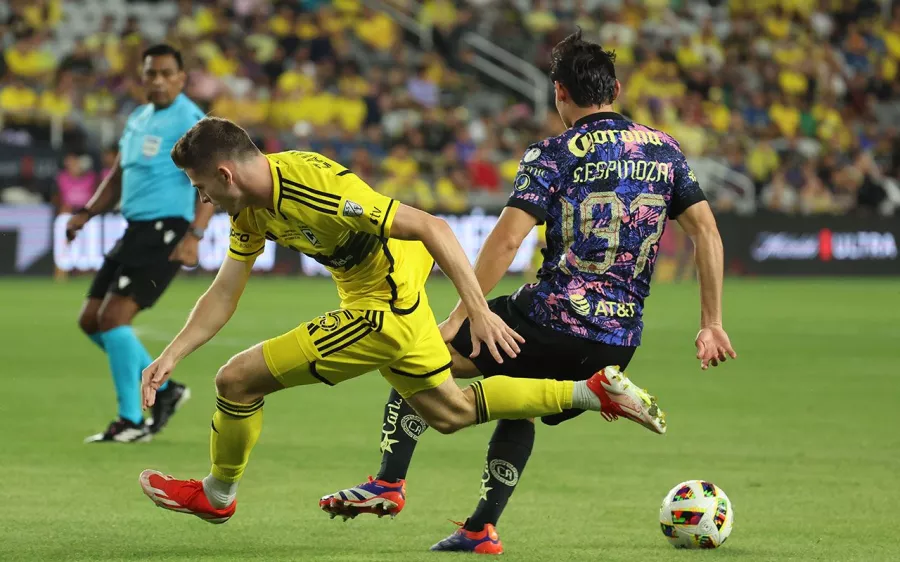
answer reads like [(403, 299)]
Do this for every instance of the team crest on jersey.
[(522, 182), (310, 236), (352, 209)]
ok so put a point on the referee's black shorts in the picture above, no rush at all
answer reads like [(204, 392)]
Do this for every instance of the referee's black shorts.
[(138, 266)]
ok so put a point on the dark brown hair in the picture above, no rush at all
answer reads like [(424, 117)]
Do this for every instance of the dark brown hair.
[(211, 141), (585, 69)]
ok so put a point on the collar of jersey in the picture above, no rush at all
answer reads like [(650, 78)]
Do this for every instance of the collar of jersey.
[(597, 117)]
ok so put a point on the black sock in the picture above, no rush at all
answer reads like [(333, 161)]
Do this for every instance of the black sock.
[(507, 455), (400, 431)]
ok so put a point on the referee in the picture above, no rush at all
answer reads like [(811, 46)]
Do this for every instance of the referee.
[(166, 221)]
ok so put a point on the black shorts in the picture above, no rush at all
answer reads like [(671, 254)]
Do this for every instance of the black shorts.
[(546, 353), (138, 266)]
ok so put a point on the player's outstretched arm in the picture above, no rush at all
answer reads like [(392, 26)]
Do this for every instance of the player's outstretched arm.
[(496, 255), (210, 314), (712, 342), (105, 198), (441, 243)]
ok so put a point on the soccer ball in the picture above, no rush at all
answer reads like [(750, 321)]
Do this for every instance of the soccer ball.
[(696, 514)]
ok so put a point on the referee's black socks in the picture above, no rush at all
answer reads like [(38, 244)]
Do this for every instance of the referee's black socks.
[(400, 431), (507, 456)]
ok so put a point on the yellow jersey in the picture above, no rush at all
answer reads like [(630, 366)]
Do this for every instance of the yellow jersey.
[(322, 209)]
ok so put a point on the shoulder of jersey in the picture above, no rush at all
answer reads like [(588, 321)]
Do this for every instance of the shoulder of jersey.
[(662, 134), (544, 147), (140, 110), (193, 109)]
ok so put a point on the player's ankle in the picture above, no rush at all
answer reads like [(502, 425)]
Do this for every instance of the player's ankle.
[(583, 398), (474, 525), (389, 479), (219, 494)]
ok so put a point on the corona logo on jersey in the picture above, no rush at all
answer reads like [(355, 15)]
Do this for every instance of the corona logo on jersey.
[(581, 144), (824, 245)]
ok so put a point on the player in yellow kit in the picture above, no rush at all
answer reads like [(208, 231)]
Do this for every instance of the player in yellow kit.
[(380, 254)]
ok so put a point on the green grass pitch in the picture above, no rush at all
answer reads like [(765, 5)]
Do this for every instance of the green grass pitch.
[(800, 431)]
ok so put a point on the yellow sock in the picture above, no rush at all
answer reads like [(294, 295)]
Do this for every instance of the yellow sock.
[(506, 398), (235, 429)]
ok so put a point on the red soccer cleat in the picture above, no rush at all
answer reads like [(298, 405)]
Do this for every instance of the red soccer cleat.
[(184, 496), (485, 541), (621, 397)]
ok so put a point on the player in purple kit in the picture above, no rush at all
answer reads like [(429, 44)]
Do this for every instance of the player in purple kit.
[(605, 189)]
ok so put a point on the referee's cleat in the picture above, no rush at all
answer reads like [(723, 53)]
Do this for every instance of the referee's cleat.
[(122, 431), (621, 397), (167, 403), (183, 496), (375, 496), (485, 541)]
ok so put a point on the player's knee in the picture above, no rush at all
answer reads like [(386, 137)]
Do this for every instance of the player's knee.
[(89, 322), (450, 419), (445, 425), (112, 316), (230, 383)]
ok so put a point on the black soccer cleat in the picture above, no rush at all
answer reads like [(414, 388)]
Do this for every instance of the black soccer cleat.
[(167, 403), (122, 431)]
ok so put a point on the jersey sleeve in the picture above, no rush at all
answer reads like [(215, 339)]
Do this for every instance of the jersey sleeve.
[(363, 209), (245, 243), (686, 191), (531, 188)]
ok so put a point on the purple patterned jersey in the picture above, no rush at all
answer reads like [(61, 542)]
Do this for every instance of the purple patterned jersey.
[(605, 188)]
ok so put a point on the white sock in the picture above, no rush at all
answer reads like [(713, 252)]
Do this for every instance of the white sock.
[(220, 494), (583, 398)]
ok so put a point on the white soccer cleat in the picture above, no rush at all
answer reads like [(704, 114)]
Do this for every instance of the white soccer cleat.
[(621, 397)]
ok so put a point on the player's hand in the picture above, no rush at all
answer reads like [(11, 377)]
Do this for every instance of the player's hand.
[(153, 377), (713, 347), (75, 223), (450, 327), (493, 331), (187, 251)]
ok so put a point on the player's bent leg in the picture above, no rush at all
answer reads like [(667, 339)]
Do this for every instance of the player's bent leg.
[(236, 425), (507, 455), (89, 318), (333, 348), (448, 408), (126, 356)]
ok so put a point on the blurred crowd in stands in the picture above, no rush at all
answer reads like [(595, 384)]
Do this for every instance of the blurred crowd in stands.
[(787, 105)]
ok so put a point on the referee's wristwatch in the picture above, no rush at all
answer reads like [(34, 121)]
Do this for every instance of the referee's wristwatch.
[(197, 233)]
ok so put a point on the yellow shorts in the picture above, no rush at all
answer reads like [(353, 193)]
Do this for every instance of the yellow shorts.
[(407, 349)]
